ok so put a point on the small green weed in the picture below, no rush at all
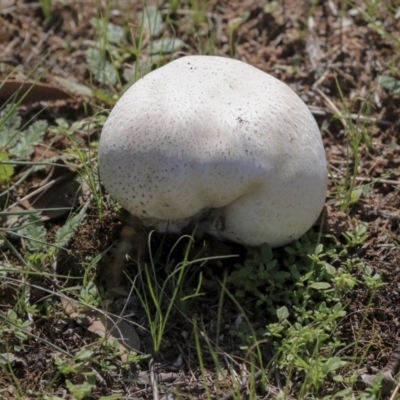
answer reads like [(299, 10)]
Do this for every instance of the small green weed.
[(298, 293)]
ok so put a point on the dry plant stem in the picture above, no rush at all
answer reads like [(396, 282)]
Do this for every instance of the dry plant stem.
[(163, 377), (37, 191), (342, 174), (320, 112), (393, 396), (364, 179), (26, 174), (153, 380), (35, 50), (273, 391), (18, 182), (332, 106), (235, 376)]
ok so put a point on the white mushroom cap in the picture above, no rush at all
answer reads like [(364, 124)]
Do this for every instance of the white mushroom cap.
[(214, 138)]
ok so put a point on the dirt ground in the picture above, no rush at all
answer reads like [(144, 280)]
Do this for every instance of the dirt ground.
[(315, 47)]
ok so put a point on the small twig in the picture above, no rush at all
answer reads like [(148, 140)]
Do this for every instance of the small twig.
[(320, 112), (272, 390), (375, 180), (37, 191), (392, 397), (235, 376), (35, 50), (19, 181), (278, 380), (332, 106), (162, 377), (153, 380)]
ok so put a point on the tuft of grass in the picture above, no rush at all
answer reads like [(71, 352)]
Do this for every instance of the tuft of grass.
[(359, 137), (294, 293), (46, 8)]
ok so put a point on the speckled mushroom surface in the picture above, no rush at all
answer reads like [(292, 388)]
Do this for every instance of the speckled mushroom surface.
[(215, 139)]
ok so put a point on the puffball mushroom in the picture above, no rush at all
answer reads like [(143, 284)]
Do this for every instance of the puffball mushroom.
[(216, 142)]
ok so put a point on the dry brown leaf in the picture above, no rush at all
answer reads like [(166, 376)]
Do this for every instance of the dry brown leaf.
[(106, 326), (26, 93), (74, 87)]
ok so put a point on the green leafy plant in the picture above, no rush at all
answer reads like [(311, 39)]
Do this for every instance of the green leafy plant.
[(299, 293), (6, 169), (15, 325), (30, 229), (81, 391), (357, 236), (390, 83), (106, 58), (16, 140), (46, 8), (79, 365)]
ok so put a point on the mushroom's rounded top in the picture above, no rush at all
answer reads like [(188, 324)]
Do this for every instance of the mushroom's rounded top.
[(212, 133)]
